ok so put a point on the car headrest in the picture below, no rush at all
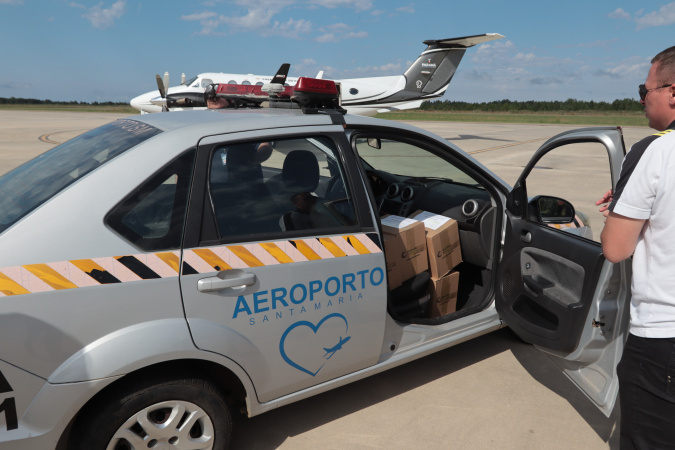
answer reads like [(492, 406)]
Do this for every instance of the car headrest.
[(300, 172)]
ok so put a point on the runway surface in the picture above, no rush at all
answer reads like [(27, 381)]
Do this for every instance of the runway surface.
[(491, 392)]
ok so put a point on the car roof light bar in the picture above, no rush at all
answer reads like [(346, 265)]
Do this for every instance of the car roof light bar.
[(310, 94)]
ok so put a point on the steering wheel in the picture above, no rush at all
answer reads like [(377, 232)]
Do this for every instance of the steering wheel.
[(330, 205), (335, 189)]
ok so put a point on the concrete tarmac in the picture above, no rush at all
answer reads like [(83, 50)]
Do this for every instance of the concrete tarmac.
[(491, 392)]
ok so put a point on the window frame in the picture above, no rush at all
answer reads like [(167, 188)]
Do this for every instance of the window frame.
[(183, 165), (202, 229)]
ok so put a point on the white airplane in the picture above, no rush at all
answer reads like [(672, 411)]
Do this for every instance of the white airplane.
[(427, 78)]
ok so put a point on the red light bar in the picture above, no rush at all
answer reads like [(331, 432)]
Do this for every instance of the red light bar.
[(316, 86), (239, 89)]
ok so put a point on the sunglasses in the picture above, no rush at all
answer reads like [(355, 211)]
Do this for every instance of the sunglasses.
[(643, 91)]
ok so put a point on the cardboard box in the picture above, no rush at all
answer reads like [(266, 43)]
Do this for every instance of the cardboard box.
[(443, 293), (443, 247), (405, 248)]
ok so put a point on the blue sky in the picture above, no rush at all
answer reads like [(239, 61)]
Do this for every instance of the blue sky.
[(110, 50)]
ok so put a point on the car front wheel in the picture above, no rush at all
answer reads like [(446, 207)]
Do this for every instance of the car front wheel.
[(184, 414)]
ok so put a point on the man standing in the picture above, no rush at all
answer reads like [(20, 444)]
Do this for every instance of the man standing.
[(641, 222)]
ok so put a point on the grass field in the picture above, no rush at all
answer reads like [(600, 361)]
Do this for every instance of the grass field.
[(563, 118)]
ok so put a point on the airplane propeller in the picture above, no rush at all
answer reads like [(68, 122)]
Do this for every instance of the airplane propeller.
[(160, 86), (182, 100)]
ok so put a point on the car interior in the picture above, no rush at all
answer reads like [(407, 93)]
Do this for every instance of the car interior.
[(405, 178)]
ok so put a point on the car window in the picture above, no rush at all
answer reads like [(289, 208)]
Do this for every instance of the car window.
[(152, 216), (290, 185), (403, 158), (28, 186), (558, 174), (406, 177)]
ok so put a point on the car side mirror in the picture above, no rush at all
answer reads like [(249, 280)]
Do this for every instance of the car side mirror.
[(547, 209), (374, 143)]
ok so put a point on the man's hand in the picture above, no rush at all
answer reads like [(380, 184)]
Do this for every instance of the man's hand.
[(604, 203)]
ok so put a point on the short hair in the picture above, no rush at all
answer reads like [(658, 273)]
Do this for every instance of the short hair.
[(666, 70)]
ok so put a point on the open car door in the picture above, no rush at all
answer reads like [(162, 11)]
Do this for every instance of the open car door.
[(555, 288)]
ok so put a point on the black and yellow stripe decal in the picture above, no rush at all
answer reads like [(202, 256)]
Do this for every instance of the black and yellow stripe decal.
[(45, 277)]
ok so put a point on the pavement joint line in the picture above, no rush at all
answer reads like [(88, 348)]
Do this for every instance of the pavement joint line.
[(507, 145)]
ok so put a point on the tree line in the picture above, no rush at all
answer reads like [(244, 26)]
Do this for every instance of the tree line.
[(627, 104), (33, 101)]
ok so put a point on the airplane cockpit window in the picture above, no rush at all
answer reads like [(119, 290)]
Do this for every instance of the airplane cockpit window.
[(191, 81), (206, 82)]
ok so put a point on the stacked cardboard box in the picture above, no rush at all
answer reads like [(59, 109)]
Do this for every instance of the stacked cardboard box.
[(443, 295), (405, 248), (444, 254)]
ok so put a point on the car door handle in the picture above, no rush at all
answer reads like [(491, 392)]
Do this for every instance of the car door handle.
[(526, 237), (537, 283), (211, 284)]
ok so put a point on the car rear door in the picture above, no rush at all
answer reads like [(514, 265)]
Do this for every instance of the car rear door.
[(555, 288), (295, 297)]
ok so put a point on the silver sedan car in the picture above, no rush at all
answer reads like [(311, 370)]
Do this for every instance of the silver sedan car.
[(164, 272)]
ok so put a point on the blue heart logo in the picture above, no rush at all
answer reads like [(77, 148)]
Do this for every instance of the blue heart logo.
[(306, 365)]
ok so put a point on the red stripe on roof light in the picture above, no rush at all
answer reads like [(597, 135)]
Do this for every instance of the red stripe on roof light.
[(240, 89), (316, 86)]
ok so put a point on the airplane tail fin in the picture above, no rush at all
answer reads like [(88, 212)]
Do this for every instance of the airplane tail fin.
[(435, 67), (282, 73)]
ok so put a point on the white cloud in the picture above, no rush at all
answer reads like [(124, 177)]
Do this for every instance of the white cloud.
[(619, 13), (356, 35), (261, 16), (486, 53), (524, 57), (328, 37), (339, 31), (336, 27), (291, 28), (410, 9), (359, 5), (373, 71), (199, 16), (99, 17), (632, 68), (662, 17)]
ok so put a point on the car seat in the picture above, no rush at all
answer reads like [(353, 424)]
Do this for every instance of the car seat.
[(243, 204), (299, 175)]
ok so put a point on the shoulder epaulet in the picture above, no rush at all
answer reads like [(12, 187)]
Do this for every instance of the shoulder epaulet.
[(662, 133)]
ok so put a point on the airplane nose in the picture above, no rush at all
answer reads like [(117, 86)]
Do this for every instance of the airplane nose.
[(144, 104), (139, 102)]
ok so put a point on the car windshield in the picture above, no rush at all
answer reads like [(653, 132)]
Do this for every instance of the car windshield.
[(28, 186)]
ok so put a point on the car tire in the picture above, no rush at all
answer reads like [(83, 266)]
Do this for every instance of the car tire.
[(178, 414)]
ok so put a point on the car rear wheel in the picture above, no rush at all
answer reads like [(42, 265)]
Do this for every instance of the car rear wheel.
[(175, 414)]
